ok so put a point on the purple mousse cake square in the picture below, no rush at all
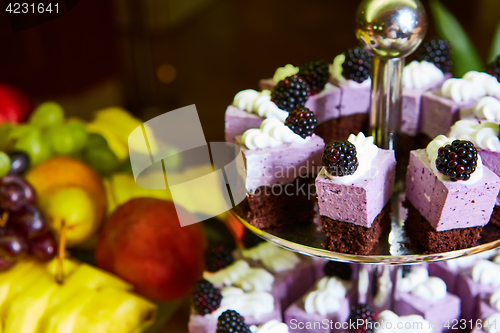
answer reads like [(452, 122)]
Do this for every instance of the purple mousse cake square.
[(448, 273), (325, 105), (325, 307), (411, 105), (449, 270), (360, 201), (290, 285), (299, 321), (480, 279), (283, 163), (354, 99), (293, 274), (491, 159), (438, 113), (449, 205), (484, 308), (237, 121), (279, 181), (440, 313)]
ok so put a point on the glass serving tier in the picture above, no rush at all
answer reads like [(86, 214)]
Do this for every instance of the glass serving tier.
[(306, 238)]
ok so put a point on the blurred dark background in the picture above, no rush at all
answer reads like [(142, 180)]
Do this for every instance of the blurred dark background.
[(152, 56)]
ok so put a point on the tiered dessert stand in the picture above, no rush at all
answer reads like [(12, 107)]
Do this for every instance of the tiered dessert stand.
[(390, 30)]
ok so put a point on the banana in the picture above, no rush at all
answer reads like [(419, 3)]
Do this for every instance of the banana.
[(121, 123), (119, 147), (121, 187), (115, 125)]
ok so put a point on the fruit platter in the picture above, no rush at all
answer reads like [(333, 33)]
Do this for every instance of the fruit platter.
[(83, 248), (370, 159)]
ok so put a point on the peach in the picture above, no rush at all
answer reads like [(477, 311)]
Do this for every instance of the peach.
[(143, 243)]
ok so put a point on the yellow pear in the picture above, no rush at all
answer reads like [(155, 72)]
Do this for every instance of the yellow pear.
[(74, 207)]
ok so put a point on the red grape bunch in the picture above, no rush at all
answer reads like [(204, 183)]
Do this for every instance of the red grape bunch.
[(23, 228)]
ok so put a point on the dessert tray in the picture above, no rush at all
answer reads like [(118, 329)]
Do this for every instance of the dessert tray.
[(306, 238), (390, 31)]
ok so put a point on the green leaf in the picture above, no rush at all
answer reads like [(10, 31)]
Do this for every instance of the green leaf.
[(465, 55), (495, 45)]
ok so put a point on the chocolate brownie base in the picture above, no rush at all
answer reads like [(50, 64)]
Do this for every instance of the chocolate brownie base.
[(340, 128), (281, 205), (350, 238), (425, 237), (491, 231)]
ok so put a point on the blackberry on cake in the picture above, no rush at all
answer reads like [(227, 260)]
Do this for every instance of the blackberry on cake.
[(493, 68), (231, 321), (353, 199), (316, 74), (458, 160), (302, 122), (419, 77), (218, 256), (291, 93), (350, 73), (437, 51), (267, 152), (362, 312), (206, 298), (357, 65), (340, 158), (446, 212), (488, 148), (340, 269)]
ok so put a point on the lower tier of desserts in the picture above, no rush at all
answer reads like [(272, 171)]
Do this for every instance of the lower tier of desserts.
[(316, 295)]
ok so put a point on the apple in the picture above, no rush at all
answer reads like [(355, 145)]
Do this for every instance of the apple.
[(143, 243), (15, 107)]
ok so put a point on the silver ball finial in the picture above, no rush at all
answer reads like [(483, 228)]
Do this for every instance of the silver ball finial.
[(391, 28)]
